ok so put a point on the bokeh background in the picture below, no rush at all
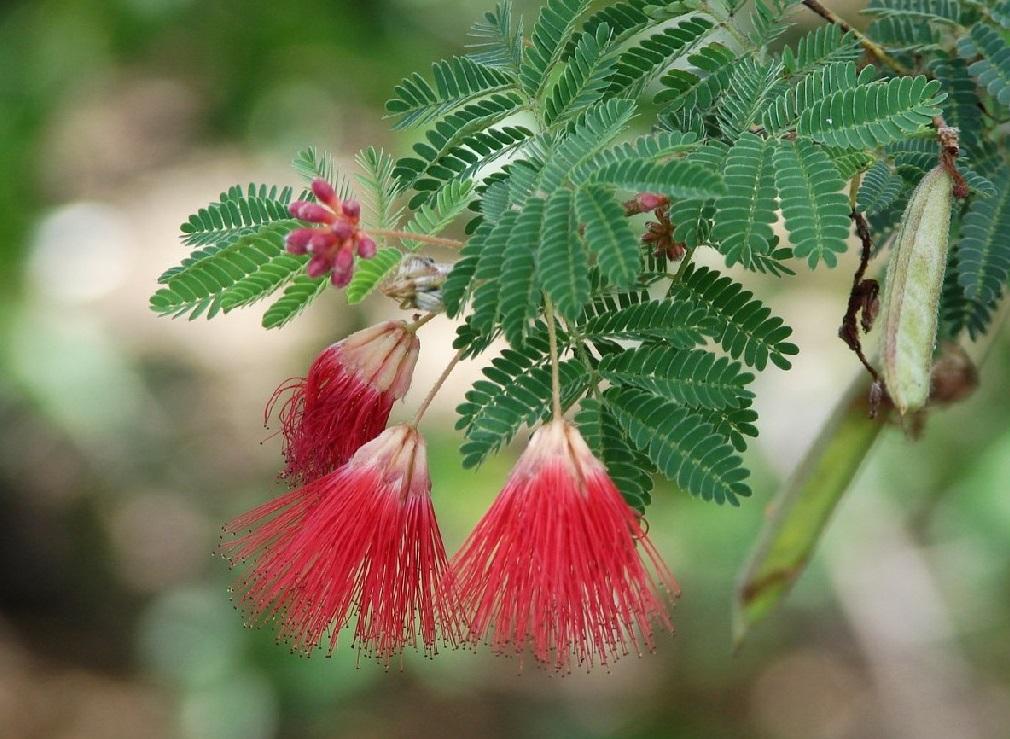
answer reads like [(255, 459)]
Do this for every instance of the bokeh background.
[(126, 439)]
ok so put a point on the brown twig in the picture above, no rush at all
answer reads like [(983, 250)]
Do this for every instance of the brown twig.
[(950, 148), (863, 305)]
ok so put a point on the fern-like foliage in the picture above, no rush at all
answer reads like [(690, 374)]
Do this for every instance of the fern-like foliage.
[(827, 44), (549, 37), (747, 210), (457, 81), (992, 69), (681, 444), (585, 76), (498, 40), (873, 114), (984, 251), (236, 213), (697, 88), (646, 61), (745, 327), (516, 392), (816, 211), (629, 468), (879, 189)]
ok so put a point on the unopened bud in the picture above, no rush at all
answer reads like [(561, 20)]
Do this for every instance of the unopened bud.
[(352, 209), (312, 212), (325, 192), (366, 248), (297, 241), (418, 283), (317, 267)]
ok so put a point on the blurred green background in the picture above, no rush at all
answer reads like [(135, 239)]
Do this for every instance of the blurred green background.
[(126, 440)]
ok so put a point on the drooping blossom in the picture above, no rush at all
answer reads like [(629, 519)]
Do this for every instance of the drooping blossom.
[(556, 564), (344, 400), (337, 238), (362, 540)]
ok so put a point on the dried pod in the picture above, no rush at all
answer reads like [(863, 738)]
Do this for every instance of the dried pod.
[(912, 291)]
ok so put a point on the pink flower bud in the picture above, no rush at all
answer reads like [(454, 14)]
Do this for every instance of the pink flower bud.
[(650, 201), (366, 248), (321, 241), (317, 266), (344, 260), (325, 192), (298, 240), (352, 209), (342, 230), (312, 212), (340, 278)]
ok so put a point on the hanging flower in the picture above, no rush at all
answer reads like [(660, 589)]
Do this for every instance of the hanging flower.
[(555, 565), (345, 399), (337, 238), (362, 540)]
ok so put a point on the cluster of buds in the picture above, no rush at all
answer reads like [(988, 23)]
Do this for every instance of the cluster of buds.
[(659, 234), (335, 241)]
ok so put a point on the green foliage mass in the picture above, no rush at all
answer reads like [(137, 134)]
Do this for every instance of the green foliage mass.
[(758, 154)]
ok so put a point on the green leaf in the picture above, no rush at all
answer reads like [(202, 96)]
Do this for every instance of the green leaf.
[(584, 78), (594, 129), (787, 108), (984, 252), (516, 392), (520, 297), (678, 178), (694, 377), (993, 70), (748, 93), (815, 209), (499, 41), (801, 510), (297, 296), (458, 81), (745, 327), (873, 114), (379, 184), (879, 190), (368, 273), (487, 270), (697, 88), (564, 264), (548, 39), (942, 12), (312, 164), (197, 285), (237, 213), (745, 213), (682, 446), (692, 219), (961, 109), (628, 468), (634, 316), (608, 235), (639, 65), (826, 44)]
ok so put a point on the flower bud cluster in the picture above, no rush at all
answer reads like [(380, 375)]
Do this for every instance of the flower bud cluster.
[(333, 243)]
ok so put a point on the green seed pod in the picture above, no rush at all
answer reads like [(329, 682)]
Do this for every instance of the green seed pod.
[(912, 291)]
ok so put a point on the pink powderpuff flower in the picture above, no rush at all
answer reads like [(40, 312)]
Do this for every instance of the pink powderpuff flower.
[(362, 540), (336, 239), (344, 400), (555, 565)]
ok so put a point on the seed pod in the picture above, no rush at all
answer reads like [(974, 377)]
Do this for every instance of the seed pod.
[(912, 291)]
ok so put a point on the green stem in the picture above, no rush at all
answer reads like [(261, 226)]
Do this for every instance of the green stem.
[(552, 336)]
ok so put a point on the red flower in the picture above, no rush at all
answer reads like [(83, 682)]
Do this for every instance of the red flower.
[(555, 564), (337, 238), (362, 540), (345, 399)]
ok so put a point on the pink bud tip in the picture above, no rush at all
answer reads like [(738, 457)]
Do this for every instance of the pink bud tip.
[(650, 200), (317, 267), (352, 209), (325, 192), (344, 260), (341, 279), (298, 240), (366, 248), (312, 212)]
